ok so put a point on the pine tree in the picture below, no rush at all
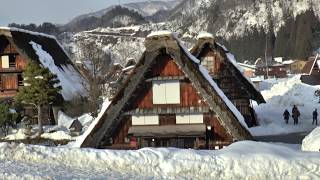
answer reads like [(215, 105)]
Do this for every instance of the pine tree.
[(40, 88), (7, 118)]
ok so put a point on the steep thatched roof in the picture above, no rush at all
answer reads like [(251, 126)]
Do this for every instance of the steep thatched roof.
[(157, 44), (45, 49), (208, 40)]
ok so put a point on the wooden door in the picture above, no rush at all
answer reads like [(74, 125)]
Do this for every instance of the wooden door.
[(9, 82)]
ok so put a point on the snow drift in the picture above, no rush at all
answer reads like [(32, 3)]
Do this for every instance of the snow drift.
[(246, 159), (312, 141)]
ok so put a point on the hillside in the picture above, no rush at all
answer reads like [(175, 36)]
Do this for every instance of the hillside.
[(285, 28)]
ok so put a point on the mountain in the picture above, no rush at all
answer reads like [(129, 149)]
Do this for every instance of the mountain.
[(148, 10), (248, 28), (288, 28)]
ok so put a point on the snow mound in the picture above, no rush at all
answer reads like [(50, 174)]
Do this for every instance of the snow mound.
[(160, 33), (312, 141), (205, 35), (241, 160), (59, 135), (70, 80), (283, 95), (19, 135)]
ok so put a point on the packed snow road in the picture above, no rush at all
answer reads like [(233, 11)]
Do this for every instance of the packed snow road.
[(247, 159)]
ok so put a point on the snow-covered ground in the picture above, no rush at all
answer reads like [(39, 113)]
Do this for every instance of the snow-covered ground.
[(283, 95), (241, 160)]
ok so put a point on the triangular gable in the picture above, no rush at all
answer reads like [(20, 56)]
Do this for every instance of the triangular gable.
[(249, 87), (229, 117)]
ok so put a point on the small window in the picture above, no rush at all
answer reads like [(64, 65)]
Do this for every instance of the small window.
[(166, 92), (208, 62), (145, 120), (189, 118), (5, 61)]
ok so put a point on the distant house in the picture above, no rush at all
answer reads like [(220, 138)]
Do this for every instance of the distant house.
[(273, 70), (249, 70), (18, 46), (225, 71), (311, 71), (169, 100), (294, 66)]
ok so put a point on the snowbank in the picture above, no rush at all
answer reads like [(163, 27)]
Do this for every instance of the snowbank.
[(241, 160), (283, 95), (70, 80), (19, 135), (59, 135), (312, 141)]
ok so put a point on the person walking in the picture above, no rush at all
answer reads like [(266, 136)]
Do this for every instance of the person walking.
[(295, 114), (315, 117), (286, 116)]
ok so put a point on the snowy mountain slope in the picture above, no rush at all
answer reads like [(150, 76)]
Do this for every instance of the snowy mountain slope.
[(146, 9), (288, 25)]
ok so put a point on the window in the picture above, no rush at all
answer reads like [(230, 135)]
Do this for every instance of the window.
[(166, 92), (189, 119), (5, 61), (208, 62), (145, 120)]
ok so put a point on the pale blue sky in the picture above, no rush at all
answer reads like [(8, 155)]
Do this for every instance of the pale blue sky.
[(55, 11)]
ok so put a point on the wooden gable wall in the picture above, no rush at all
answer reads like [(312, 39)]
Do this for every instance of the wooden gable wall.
[(165, 66), (10, 78)]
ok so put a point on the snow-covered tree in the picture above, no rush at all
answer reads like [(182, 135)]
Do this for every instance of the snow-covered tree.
[(40, 88)]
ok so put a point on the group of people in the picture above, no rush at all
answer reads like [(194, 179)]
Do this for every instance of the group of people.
[(296, 114)]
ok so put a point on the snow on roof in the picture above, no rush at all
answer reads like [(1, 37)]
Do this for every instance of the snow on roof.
[(128, 68), (205, 73), (27, 31), (160, 33), (79, 141), (247, 65), (288, 62), (312, 141), (70, 80), (205, 35)]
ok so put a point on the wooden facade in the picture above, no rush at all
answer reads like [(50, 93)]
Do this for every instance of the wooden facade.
[(311, 71), (167, 101), (166, 68), (228, 77), (12, 65), (274, 71)]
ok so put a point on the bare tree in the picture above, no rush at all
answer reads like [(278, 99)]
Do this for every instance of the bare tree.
[(95, 64), (127, 50)]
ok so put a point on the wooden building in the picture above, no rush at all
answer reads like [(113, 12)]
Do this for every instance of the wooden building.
[(311, 71), (224, 70), (169, 100), (294, 66), (276, 70), (17, 48)]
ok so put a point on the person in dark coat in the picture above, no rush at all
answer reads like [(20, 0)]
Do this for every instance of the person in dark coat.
[(315, 117), (286, 116), (295, 114)]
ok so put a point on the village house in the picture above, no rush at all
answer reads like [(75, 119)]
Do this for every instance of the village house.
[(249, 70), (18, 46), (294, 66), (231, 79), (273, 70), (169, 100), (311, 71)]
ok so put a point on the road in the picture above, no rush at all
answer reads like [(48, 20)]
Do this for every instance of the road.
[(292, 138)]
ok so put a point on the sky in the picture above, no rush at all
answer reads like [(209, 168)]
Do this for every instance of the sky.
[(55, 11)]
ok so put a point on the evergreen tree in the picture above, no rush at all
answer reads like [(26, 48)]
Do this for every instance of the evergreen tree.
[(40, 88), (7, 118)]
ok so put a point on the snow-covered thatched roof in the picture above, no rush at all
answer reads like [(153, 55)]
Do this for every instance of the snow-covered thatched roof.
[(229, 117), (208, 39), (46, 50)]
